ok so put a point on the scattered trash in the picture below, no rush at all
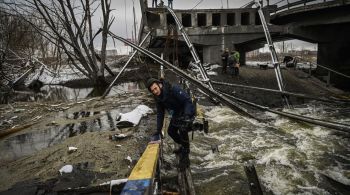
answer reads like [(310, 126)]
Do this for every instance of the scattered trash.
[(36, 118), (118, 136), (129, 159), (7, 122), (118, 182), (72, 149), (53, 123), (14, 117), (118, 145), (133, 118), (66, 169), (56, 105), (19, 110)]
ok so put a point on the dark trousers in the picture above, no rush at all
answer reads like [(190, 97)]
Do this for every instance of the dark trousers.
[(154, 3), (236, 71), (178, 134), (224, 66)]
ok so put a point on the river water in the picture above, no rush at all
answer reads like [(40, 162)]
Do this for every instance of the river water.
[(290, 157)]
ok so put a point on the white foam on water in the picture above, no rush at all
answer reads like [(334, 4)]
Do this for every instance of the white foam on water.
[(221, 115), (270, 114), (308, 144), (259, 142), (218, 163), (275, 182), (313, 189), (320, 132), (210, 156), (281, 121), (279, 156), (212, 178), (338, 175)]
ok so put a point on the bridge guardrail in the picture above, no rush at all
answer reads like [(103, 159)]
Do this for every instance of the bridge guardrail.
[(287, 5), (329, 70)]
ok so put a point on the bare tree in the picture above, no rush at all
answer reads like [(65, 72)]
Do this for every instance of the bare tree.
[(68, 25)]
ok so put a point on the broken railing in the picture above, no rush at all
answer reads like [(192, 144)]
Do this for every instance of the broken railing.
[(335, 100), (186, 76), (329, 71), (227, 98), (124, 67), (273, 53), (193, 51)]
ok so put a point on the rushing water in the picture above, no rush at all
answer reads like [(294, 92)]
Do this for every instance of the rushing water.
[(290, 157)]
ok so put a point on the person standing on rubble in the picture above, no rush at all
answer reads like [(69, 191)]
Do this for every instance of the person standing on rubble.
[(154, 3), (233, 62), (174, 99), (170, 4), (224, 60), (236, 66)]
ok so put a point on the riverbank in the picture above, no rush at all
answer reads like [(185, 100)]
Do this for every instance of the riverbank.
[(44, 145)]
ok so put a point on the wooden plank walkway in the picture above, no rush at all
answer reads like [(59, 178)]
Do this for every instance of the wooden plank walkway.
[(142, 176)]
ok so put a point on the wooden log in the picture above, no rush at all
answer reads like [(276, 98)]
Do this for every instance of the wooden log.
[(14, 130)]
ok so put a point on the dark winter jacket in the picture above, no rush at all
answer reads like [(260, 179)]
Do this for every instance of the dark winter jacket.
[(224, 56), (175, 99)]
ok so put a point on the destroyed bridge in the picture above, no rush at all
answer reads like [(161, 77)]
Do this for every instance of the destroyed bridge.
[(326, 23)]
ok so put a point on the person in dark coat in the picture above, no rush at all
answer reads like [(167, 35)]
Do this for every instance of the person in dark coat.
[(178, 102), (224, 59), (154, 3), (170, 4)]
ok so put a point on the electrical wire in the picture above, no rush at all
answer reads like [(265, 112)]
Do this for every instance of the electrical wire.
[(197, 4)]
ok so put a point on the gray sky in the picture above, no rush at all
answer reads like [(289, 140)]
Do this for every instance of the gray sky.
[(123, 13)]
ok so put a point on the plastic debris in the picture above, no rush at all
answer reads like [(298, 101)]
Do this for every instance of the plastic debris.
[(19, 110), (129, 159), (72, 149), (118, 136), (66, 169), (14, 117), (133, 118)]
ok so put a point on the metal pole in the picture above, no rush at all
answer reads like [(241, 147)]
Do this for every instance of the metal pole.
[(273, 53), (324, 123), (191, 47), (206, 89), (122, 70), (222, 96), (283, 92), (328, 78), (227, 4), (133, 10)]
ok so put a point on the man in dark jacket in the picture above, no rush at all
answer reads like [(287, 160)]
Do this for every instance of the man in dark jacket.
[(177, 102), (224, 58)]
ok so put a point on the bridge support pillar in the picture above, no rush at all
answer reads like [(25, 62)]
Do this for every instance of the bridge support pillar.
[(212, 54), (335, 55)]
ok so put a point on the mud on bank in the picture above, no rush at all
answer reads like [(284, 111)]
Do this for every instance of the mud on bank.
[(97, 159)]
